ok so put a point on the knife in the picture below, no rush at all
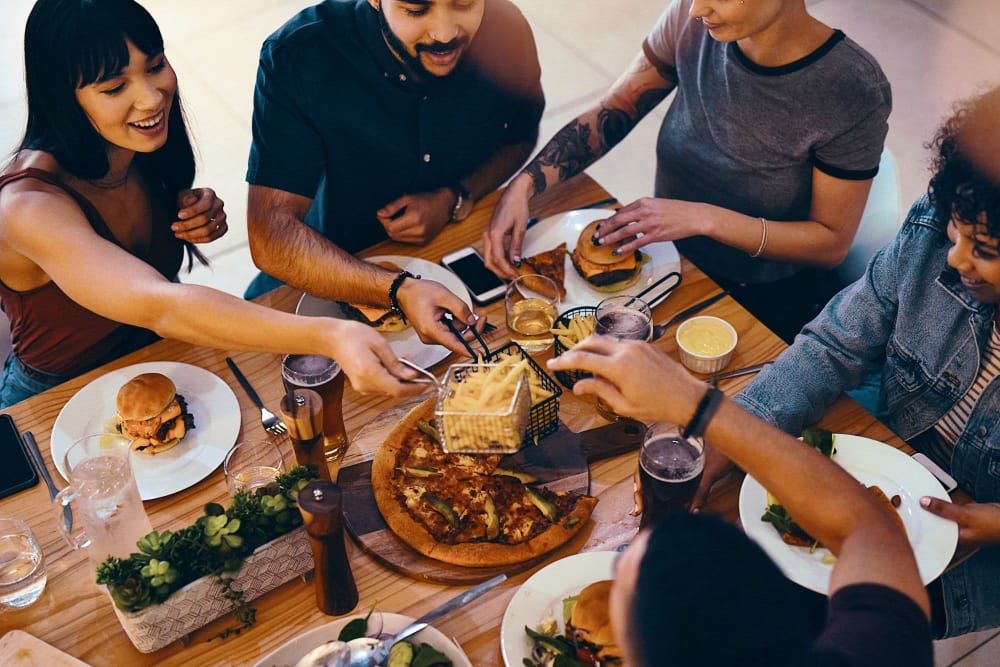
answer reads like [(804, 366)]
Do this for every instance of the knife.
[(746, 370), (36, 454), (661, 329)]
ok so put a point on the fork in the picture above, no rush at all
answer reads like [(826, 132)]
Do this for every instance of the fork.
[(268, 419)]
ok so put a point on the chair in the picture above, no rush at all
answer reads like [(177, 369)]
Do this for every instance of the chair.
[(879, 221)]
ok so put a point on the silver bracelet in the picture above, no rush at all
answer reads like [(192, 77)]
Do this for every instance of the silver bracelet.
[(763, 239)]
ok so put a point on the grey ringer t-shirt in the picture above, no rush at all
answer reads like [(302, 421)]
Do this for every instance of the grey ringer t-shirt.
[(746, 137)]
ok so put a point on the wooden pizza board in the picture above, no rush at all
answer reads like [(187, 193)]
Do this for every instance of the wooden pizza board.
[(560, 461)]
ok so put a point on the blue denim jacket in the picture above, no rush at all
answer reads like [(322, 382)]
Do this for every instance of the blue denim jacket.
[(909, 318)]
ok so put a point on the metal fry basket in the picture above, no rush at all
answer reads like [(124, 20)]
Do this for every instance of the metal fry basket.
[(544, 417), (478, 431)]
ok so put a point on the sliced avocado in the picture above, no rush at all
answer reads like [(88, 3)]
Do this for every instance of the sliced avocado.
[(420, 471), (545, 506), (523, 477), (442, 507), (492, 519), (429, 431)]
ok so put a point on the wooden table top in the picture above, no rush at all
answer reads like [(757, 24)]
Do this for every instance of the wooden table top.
[(76, 616)]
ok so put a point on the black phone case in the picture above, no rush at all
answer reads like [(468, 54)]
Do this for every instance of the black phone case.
[(12, 436)]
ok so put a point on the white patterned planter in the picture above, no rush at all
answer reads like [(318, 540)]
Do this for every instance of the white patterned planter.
[(201, 602)]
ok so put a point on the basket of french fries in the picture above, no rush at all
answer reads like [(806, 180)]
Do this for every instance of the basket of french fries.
[(569, 329), (482, 408), (544, 417)]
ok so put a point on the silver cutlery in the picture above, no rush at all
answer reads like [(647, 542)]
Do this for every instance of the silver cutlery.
[(270, 421), (36, 454), (661, 329), (746, 370)]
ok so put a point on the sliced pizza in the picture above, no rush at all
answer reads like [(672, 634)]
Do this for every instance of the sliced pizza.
[(462, 509), (551, 264)]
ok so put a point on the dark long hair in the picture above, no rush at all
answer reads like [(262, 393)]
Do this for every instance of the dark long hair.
[(963, 183), (72, 43)]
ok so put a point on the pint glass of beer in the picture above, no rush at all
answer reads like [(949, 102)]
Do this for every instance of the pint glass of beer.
[(670, 468), (324, 376)]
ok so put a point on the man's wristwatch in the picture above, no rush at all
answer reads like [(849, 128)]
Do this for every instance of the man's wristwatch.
[(463, 203)]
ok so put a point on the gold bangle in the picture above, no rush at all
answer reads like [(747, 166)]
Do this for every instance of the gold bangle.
[(763, 239)]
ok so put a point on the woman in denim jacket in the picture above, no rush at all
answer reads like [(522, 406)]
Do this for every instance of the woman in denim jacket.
[(925, 316)]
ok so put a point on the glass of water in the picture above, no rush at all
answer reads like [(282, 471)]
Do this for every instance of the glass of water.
[(252, 464), (22, 566)]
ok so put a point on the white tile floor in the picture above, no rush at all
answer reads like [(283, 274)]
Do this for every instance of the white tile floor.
[(933, 52)]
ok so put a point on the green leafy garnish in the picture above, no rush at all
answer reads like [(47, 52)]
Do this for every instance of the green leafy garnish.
[(355, 628), (821, 439)]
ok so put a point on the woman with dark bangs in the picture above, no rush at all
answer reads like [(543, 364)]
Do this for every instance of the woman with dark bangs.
[(924, 316), (97, 209)]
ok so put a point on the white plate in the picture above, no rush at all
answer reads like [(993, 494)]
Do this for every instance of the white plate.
[(292, 651), (566, 227), (210, 400), (541, 597), (870, 462), (404, 343)]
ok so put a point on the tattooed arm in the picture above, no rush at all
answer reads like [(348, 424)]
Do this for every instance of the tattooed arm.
[(573, 148)]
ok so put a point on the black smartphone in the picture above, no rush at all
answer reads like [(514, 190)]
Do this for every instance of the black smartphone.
[(468, 265), (16, 472)]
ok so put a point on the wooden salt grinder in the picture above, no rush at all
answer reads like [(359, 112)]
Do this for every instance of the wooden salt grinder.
[(320, 506), (305, 428)]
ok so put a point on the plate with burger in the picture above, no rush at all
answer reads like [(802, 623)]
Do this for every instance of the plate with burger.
[(893, 477), (397, 331), (590, 271), (181, 419), (565, 606)]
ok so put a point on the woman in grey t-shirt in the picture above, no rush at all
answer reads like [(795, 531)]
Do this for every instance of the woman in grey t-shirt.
[(764, 159)]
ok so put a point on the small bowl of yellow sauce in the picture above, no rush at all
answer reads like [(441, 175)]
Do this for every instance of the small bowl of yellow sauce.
[(706, 343)]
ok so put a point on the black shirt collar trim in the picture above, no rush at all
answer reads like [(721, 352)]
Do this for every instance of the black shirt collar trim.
[(801, 63)]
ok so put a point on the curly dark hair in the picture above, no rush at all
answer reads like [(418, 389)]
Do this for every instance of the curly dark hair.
[(963, 184)]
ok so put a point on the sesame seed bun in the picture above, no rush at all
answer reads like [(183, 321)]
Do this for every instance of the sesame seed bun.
[(591, 618)]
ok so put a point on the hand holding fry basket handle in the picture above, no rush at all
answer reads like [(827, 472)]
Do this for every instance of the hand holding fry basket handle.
[(304, 420), (321, 509)]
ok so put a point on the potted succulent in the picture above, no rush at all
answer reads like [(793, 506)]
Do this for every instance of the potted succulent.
[(180, 581)]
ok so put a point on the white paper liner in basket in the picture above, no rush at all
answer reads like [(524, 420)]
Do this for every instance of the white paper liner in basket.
[(201, 602), (482, 432)]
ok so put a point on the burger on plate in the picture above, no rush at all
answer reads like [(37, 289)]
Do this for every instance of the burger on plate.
[(589, 626), (380, 318), (152, 414), (599, 267)]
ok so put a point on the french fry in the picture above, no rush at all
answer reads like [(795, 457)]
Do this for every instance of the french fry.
[(577, 329)]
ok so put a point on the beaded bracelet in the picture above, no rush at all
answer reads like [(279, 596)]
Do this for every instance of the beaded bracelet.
[(397, 282), (703, 413)]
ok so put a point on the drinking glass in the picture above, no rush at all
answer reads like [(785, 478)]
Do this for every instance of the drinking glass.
[(252, 464), (102, 486), (324, 376), (22, 567), (670, 468), (622, 318), (532, 305)]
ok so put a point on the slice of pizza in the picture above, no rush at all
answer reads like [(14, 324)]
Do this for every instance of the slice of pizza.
[(551, 264)]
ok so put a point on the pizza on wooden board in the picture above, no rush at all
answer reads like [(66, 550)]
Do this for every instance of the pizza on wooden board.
[(464, 509)]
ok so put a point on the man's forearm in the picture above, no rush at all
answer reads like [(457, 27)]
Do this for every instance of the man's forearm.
[(504, 163), (283, 246)]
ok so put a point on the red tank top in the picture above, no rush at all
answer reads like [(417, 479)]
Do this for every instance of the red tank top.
[(51, 332)]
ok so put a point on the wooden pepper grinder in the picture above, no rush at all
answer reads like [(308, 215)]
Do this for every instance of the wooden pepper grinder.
[(305, 427), (320, 506)]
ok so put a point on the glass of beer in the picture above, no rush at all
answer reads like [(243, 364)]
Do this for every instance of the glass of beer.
[(670, 468), (622, 318), (324, 376), (532, 304)]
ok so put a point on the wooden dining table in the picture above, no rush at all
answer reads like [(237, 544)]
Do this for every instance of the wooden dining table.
[(76, 616)]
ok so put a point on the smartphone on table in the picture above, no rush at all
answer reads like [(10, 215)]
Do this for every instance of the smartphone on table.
[(468, 265), (16, 470)]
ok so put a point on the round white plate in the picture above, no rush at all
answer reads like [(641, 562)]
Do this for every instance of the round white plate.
[(870, 462), (293, 650), (404, 343), (210, 400), (566, 227), (541, 597)]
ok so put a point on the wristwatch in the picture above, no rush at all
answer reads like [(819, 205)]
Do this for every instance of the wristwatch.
[(463, 203)]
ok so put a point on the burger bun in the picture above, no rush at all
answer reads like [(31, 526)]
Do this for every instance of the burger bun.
[(145, 396)]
